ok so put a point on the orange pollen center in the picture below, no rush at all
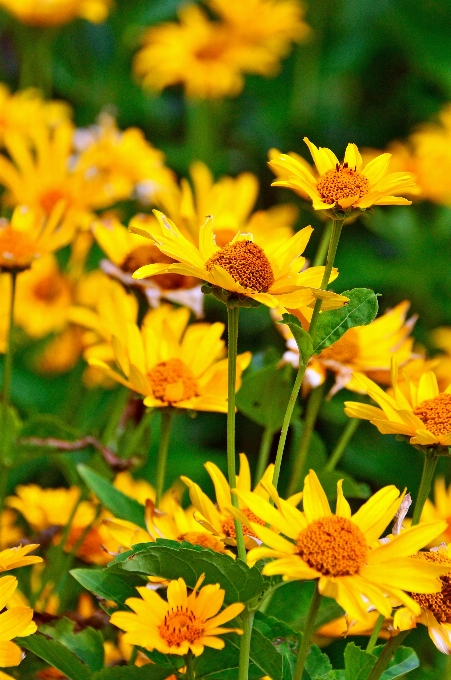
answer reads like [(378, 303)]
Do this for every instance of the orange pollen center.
[(436, 414), (228, 525), (173, 381), (17, 249), (344, 351), (246, 263), (437, 603), (150, 254), (49, 288), (203, 539), (50, 199), (334, 546), (181, 625), (342, 182)]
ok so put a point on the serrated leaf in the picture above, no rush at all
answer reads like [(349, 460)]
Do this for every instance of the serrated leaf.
[(303, 339), (55, 654), (87, 644), (317, 664), (172, 560), (331, 326), (108, 585), (112, 499), (358, 663), (146, 672)]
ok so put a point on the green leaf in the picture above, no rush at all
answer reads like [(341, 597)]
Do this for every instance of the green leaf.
[(107, 585), (10, 428), (303, 339), (146, 672), (317, 664), (351, 488), (173, 560), (291, 604), (252, 398), (87, 645), (404, 660), (112, 499), (360, 311), (223, 664), (358, 663), (55, 654)]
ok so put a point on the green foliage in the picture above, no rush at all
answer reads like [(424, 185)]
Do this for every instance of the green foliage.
[(87, 644), (108, 585), (11, 426), (57, 655), (358, 663), (303, 339), (146, 672)]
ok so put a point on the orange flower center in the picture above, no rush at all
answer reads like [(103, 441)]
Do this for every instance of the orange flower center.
[(181, 625), (344, 351), (50, 198), (246, 263), (228, 525), (436, 414), (150, 254), (17, 249), (342, 182), (437, 603), (203, 539), (334, 546), (173, 381), (49, 288)]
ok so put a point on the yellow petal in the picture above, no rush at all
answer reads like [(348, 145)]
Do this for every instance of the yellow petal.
[(315, 500), (428, 387), (375, 515), (343, 508), (407, 542)]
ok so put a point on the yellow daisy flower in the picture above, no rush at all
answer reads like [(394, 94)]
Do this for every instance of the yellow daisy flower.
[(14, 622), (219, 518), (10, 534), (56, 12), (347, 185), (363, 349), (184, 623), (171, 363), (438, 509), (20, 110), (13, 558), (420, 412), (341, 550), (272, 276)]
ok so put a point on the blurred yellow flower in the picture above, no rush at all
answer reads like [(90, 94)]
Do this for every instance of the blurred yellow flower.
[(347, 185), (13, 558), (441, 337), (22, 110), (440, 508), (56, 12), (344, 626), (184, 623), (171, 363), (14, 622), (341, 550), (10, 534), (5, 297), (270, 275), (421, 412)]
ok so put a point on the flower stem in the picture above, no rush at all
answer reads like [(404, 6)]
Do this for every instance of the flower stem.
[(375, 634), (8, 364), (263, 455), (233, 316), (429, 465), (245, 644), (36, 68), (313, 406), (386, 655), (203, 118), (189, 666), (166, 419), (341, 445), (307, 634), (323, 246)]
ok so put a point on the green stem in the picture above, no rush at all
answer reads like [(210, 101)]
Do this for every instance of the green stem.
[(119, 404), (8, 364), (375, 634), (386, 655), (263, 455), (163, 447), (341, 445), (323, 246), (36, 67), (189, 666), (133, 655), (203, 116), (232, 317), (313, 406), (429, 465), (307, 634), (245, 644), (333, 245), (3, 490)]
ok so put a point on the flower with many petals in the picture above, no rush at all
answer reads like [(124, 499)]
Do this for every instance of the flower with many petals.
[(14, 622)]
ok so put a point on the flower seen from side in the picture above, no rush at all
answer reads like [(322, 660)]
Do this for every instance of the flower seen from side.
[(56, 12)]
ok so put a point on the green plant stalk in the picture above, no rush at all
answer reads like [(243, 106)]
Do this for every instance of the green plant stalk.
[(109, 434), (429, 465), (245, 644), (340, 448), (313, 407), (263, 455), (133, 655), (375, 634), (307, 634), (8, 363), (189, 666), (386, 655), (36, 62), (323, 246), (202, 118), (163, 447)]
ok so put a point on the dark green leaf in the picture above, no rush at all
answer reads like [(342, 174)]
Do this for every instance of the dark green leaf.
[(10, 428), (56, 655), (107, 585), (317, 664), (112, 499), (173, 560), (146, 672), (360, 311), (351, 488), (87, 645), (404, 660), (358, 663), (291, 602), (303, 339), (223, 664)]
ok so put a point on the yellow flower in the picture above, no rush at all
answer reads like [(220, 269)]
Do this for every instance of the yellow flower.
[(435, 608), (14, 622), (10, 534), (13, 558), (348, 185), (420, 412), (341, 549), (29, 235), (56, 12), (364, 349), (171, 363), (441, 337), (20, 110), (184, 623), (271, 276), (218, 519), (5, 301), (439, 509), (344, 626)]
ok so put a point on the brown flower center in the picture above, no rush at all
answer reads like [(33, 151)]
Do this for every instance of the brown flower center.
[(342, 182), (246, 263), (228, 525), (344, 351), (17, 249), (437, 603), (181, 625), (203, 539), (436, 414), (334, 546), (150, 254), (173, 381)]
